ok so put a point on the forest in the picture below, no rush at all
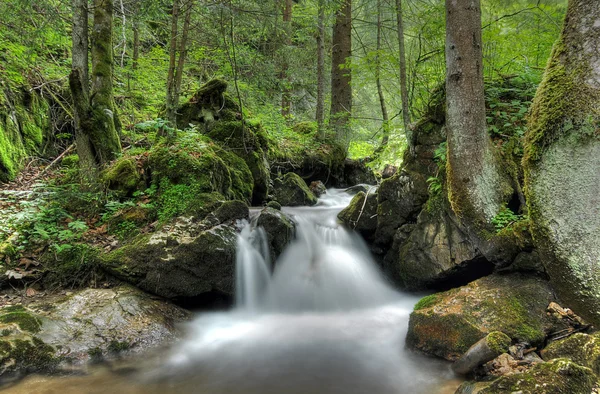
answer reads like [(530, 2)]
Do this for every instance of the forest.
[(300, 196)]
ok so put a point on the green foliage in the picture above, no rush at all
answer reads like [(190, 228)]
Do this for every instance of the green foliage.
[(427, 301), (505, 218)]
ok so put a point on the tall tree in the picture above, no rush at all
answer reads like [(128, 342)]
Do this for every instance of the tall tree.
[(403, 78), (320, 112), (286, 99), (80, 38), (562, 162), (474, 182), (341, 79), (97, 122), (384, 112), (172, 100)]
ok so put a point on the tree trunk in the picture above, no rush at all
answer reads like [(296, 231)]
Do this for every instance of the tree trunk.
[(81, 42), (384, 113), (341, 89), (320, 115), (171, 104), (182, 53), (97, 122), (562, 162), (474, 183), (286, 100), (403, 79)]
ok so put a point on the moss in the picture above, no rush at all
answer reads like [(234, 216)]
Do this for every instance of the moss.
[(122, 175), (305, 128), (581, 348), (291, 190), (274, 205), (27, 355), (22, 318), (118, 346), (498, 342), (73, 266), (427, 302)]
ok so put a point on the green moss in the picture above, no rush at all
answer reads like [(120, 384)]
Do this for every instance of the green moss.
[(305, 128), (21, 318), (427, 301), (27, 355), (118, 346), (71, 266), (122, 175), (498, 342), (581, 348), (291, 190)]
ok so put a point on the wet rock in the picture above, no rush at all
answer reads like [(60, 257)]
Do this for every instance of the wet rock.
[(317, 188), (528, 262), (360, 188), (388, 171), (447, 324), (290, 190), (581, 348), (87, 326), (356, 171), (400, 199), (484, 350), (434, 253), (185, 260), (559, 376), (279, 227), (361, 215)]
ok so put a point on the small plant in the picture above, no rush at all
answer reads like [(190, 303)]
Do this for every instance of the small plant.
[(435, 185), (505, 218)]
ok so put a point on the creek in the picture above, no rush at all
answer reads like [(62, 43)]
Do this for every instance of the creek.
[(322, 320)]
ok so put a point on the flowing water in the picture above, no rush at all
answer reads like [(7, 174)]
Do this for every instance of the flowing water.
[(322, 320)]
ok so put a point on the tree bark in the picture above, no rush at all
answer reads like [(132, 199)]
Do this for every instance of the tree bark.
[(341, 89), (474, 182), (171, 104), (384, 113), (403, 79), (286, 99), (562, 162), (182, 53), (320, 112), (81, 42)]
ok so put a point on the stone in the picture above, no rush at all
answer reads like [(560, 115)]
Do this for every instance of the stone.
[(356, 171), (361, 215), (447, 324), (317, 188), (291, 190), (87, 326), (484, 350), (185, 260), (400, 200), (279, 227), (436, 252), (388, 171), (581, 348)]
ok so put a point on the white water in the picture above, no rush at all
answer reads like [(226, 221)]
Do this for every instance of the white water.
[(323, 321)]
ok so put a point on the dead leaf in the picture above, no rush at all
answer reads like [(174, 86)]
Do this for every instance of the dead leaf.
[(30, 292)]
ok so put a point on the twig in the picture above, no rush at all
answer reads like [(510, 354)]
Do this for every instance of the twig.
[(362, 208), (54, 162)]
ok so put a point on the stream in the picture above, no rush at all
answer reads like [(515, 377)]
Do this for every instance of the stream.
[(323, 320)]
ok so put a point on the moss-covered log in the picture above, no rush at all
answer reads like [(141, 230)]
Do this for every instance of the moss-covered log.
[(562, 161)]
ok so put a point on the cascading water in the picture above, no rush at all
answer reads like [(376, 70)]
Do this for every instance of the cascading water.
[(323, 320)]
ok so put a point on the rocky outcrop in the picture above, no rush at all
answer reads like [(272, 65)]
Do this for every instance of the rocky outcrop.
[(447, 324), (291, 190), (434, 252), (87, 326), (355, 172), (361, 215), (186, 260), (279, 229), (581, 348), (559, 376)]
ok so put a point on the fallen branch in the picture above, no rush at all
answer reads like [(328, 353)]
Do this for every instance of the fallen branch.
[(70, 148)]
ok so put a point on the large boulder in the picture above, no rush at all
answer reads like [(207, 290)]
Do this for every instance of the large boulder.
[(560, 376), (436, 253), (361, 215), (279, 229), (581, 348), (186, 260), (90, 325), (400, 199), (447, 324), (208, 105), (291, 190), (561, 160), (356, 172)]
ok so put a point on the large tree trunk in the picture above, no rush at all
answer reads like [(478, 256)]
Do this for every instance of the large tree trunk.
[(96, 117), (81, 42), (475, 185), (182, 52), (384, 112), (403, 79), (286, 99), (341, 89), (562, 162), (171, 104), (320, 113)]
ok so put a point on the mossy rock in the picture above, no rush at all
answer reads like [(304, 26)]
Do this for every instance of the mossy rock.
[(559, 376), (449, 323), (279, 227), (21, 317), (580, 348), (26, 355), (291, 190), (305, 128), (243, 140), (361, 215), (123, 175), (208, 105)]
